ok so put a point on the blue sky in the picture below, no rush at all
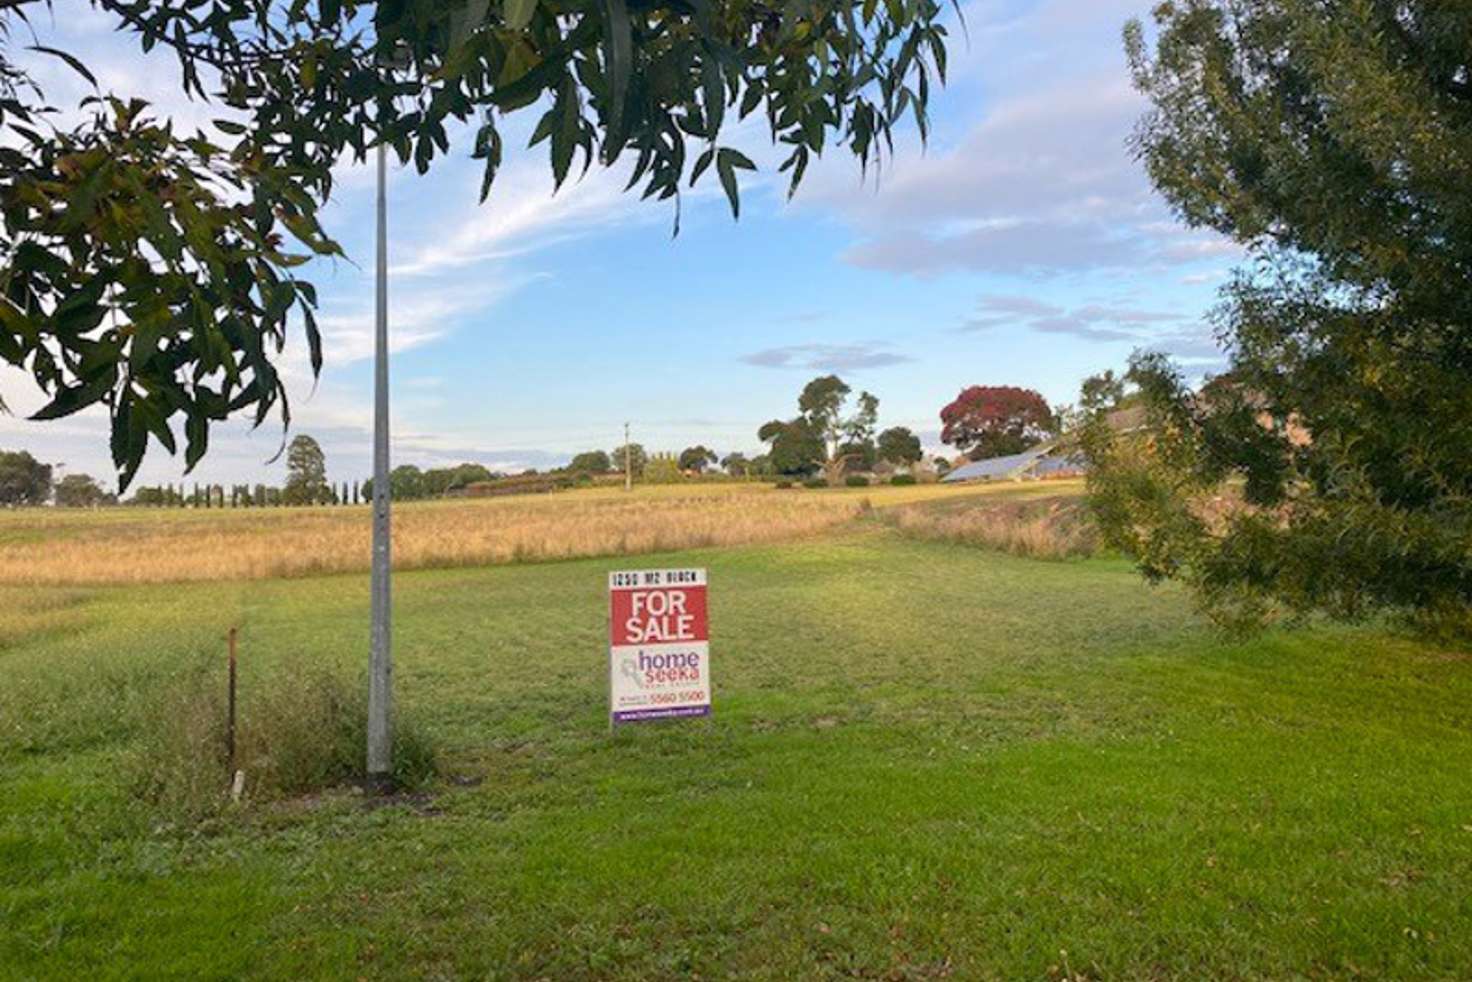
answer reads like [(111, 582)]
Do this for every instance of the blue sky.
[(1023, 246)]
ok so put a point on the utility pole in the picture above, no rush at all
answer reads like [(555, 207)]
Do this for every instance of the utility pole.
[(628, 467), (380, 662)]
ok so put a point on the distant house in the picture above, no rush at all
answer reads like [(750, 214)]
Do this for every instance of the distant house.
[(1044, 461), (1056, 459)]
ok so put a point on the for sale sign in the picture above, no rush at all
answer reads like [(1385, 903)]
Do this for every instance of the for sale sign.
[(659, 645)]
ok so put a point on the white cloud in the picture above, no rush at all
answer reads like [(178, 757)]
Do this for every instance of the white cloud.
[(827, 357), (1040, 180), (417, 315), (1173, 331), (522, 214)]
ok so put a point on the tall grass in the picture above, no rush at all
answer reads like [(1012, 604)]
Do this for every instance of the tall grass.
[(1049, 528), (302, 730), (43, 547)]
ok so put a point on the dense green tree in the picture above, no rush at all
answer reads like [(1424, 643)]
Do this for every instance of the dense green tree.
[(821, 404), (736, 464), (636, 458), (24, 480), (406, 483), (437, 481), (593, 462), (697, 458), (847, 440), (1329, 471), (900, 447), (472, 473), (858, 429), (150, 497), (306, 473), (122, 222), (81, 491), (857, 458), (857, 452), (796, 447)]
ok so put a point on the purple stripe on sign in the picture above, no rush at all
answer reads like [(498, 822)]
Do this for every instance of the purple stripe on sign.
[(637, 715)]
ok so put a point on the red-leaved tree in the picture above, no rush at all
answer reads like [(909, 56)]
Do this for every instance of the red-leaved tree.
[(995, 420)]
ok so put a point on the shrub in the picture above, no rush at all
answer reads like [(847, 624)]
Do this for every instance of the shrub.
[(815, 482), (856, 481), (662, 468), (301, 729), (902, 480)]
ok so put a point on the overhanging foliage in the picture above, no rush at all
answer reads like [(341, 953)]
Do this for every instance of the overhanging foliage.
[(1328, 470), (148, 272)]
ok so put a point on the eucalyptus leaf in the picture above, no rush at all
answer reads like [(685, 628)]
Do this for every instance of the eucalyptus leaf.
[(173, 263), (517, 14)]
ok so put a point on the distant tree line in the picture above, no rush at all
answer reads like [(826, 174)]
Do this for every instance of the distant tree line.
[(695, 460), (306, 484), (409, 483), (832, 435), (24, 480), (829, 435), (239, 496)]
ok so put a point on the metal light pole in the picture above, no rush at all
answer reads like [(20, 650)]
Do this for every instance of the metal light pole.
[(380, 663)]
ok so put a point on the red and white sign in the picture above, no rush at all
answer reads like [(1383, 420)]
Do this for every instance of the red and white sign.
[(659, 645)]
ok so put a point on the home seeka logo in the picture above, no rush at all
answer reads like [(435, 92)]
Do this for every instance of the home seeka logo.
[(659, 645)]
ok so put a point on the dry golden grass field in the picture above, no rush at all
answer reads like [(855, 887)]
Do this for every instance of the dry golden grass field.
[(58, 547)]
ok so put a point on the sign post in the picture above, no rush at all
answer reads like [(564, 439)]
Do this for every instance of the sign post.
[(659, 645)]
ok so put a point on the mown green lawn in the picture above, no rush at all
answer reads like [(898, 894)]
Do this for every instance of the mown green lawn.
[(925, 760)]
